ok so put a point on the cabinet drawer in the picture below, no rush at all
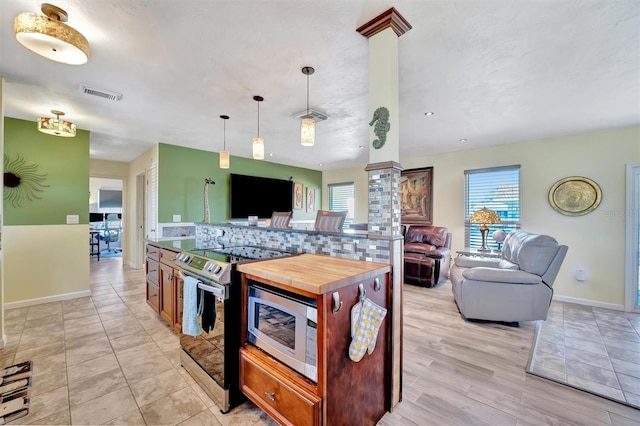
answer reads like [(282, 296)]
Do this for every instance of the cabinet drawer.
[(153, 295), (153, 252), (168, 257), (278, 396), (152, 271)]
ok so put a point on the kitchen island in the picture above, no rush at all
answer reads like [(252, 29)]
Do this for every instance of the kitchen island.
[(346, 391)]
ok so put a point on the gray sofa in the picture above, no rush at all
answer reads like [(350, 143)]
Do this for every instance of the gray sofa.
[(517, 287)]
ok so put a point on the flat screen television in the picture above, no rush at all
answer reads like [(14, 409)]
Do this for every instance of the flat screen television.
[(259, 196)]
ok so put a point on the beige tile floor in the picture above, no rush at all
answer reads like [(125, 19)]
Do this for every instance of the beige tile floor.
[(591, 348), (109, 359)]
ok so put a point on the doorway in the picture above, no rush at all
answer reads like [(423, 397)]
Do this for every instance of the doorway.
[(632, 259), (106, 216)]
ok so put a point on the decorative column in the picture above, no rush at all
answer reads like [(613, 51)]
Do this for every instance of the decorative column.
[(384, 168)]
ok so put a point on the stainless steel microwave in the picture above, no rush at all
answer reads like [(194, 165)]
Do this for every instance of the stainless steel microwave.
[(285, 326)]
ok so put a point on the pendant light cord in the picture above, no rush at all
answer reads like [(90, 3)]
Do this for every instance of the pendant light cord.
[(258, 118), (307, 95), (224, 139)]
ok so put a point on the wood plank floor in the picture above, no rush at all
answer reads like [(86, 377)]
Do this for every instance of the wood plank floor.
[(464, 373)]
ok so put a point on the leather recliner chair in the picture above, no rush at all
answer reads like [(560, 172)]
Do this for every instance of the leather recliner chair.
[(517, 287), (427, 254)]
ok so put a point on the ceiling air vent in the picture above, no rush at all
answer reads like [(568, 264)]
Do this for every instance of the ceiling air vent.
[(113, 96), (316, 115)]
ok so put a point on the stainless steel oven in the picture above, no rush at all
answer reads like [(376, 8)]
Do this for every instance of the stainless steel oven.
[(212, 357)]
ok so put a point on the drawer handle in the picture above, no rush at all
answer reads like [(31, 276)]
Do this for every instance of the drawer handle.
[(270, 395)]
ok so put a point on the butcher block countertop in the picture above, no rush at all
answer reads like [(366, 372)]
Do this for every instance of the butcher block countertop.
[(314, 273)]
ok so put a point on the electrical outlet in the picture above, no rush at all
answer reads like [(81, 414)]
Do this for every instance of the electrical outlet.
[(73, 219), (177, 218)]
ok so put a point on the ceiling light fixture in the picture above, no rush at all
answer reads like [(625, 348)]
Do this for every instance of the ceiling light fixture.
[(258, 142), (48, 36), (308, 124), (224, 154), (429, 113), (55, 126), (463, 140)]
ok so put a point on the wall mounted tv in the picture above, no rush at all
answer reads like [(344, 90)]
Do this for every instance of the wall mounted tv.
[(259, 196)]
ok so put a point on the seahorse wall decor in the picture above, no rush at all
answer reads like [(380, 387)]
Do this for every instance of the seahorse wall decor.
[(381, 118), (207, 182)]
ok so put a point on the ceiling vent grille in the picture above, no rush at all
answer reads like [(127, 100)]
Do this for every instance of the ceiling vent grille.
[(112, 96), (316, 115)]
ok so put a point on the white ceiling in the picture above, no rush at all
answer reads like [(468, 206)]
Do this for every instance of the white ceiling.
[(494, 72)]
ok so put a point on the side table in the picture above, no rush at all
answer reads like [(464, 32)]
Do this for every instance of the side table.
[(469, 252)]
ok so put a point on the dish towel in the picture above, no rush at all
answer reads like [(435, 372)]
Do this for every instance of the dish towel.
[(190, 324), (209, 312), (367, 325)]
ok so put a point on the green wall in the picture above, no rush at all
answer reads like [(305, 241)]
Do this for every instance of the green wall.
[(65, 164), (181, 175)]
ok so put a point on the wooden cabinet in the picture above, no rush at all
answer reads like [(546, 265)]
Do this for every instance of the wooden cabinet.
[(270, 388), (346, 392), (164, 285), (152, 270)]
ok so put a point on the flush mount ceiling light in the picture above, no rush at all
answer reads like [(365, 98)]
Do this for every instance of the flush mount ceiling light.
[(224, 154), (55, 126), (258, 142), (308, 124), (48, 36)]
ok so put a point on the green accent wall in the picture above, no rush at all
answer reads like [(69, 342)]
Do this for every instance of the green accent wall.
[(64, 161), (181, 175)]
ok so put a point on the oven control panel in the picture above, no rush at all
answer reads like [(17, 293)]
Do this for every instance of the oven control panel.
[(217, 271)]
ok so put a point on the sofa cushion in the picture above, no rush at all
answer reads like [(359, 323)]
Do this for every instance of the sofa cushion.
[(531, 252), (501, 275), (434, 235), (505, 264), (419, 248)]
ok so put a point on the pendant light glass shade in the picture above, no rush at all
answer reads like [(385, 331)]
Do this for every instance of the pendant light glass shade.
[(308, 124), (258, 142), (224, 154), (224, 159), (48, 36), (307, 131), (258, 149), (56, 127)]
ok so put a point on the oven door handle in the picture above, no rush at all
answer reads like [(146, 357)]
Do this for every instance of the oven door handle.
[(202, 284)]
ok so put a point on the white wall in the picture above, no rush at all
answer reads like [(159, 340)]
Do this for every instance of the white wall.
[(360, 180), (596, 241)]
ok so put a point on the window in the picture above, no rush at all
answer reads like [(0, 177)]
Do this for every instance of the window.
[(497, 189), (341, 198)]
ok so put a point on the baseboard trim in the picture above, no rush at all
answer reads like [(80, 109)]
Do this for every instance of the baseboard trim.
[(595, 303), (48, 299)]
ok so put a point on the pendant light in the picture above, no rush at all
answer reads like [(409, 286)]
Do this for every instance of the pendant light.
[(224, 154), (308, 124), (55, 126), (258, 142), (50, 37)]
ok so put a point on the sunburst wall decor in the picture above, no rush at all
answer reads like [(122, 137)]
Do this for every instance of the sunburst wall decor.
[(22, 182)]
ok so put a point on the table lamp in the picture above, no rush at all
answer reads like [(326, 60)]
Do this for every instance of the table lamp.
[(484, 216)]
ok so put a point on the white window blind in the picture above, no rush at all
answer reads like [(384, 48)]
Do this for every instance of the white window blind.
[(497, 189), (341, 198)]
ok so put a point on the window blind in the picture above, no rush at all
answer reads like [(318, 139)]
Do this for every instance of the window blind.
[(497, 189), (341, 198)]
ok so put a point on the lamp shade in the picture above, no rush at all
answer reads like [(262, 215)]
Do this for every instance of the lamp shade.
[(484, 216), (307, 131), (258, 149), (48, 36), (224, 159), (56, 126)]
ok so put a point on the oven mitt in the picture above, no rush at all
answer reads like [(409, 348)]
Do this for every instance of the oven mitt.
[(366, 329)]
